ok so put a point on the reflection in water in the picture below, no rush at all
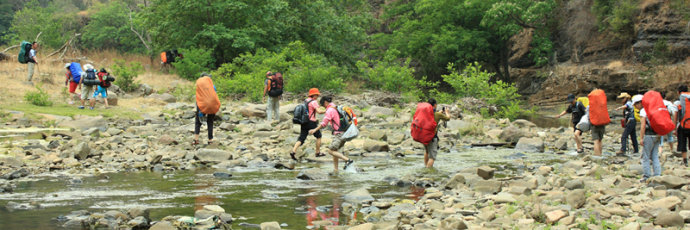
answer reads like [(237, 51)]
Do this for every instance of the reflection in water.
[(416, 192), (317, 213), (203, 198)]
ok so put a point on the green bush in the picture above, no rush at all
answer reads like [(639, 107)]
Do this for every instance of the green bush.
[(616, 16), (301, 70), (40, 97), (195, 62), (126, 74), (393, 75)]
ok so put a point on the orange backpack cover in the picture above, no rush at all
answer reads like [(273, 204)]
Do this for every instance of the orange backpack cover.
[(598, 113), (206, 97), (423, 124), (683, 113), (164, 58)]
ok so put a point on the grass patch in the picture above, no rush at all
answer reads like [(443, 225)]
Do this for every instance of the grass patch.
[(71, 111)]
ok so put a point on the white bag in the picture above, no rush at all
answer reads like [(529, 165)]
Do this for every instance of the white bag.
[(584, 124), (351, 133)]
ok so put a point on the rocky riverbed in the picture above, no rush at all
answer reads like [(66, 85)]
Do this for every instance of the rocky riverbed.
[(536, 182)]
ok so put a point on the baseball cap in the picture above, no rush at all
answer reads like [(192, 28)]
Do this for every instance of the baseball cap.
[(571, 98), (636, 98)]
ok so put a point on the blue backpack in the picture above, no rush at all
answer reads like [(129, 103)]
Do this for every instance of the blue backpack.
[(76, 70)]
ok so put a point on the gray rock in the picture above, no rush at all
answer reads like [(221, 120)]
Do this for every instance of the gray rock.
[(358, 196), (19, 173), (258, 111), (135, 212), (213, 155), (485, 172), (83, 123), (214, 208), (453, 222), (458, 179), (456, 125), (686, 215), (512, 134), (138, 222), (222, 175), (669, 219), (375, 146), (575, 184), (631, 226), (670, 181), (667, 203), (312, 174), (487, 186), (562, 143), (502, 198), (576, 198), (522, 123), (530, 144), (163, 225), (366, 226), (165, 97), (376, 111), (82, 151)]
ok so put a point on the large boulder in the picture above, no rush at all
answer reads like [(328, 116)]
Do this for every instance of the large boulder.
[(312, 174), (377, 111), (576, 198), (455, 125), (458, 179), (453, 222), (670, 181), (358, 196), (82, 151), (669, 219), (166, 97), (258, 111), (83, 123), (512, 134), (530, 144), (270, 226), (485, 172), (213, 155)]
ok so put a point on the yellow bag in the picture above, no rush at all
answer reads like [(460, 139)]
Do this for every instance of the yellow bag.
[(637, 114), (584, 101)]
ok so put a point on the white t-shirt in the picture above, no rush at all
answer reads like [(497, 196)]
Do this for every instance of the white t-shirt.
[(643, 113), (32, 53), (671, 108)]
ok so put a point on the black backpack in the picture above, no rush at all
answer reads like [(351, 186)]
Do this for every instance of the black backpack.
[(301, 113), (345, 118), (90, 78), (276, 85)]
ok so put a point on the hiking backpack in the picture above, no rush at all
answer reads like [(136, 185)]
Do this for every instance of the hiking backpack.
[(24, 52), (598, 112), (91, 78), (106, 79), (584, 101), (657, 113), (75, 69), (206, 96), (170, 56), (423, 124), (276, 85), (346, 116), (683, 115), (164, 57), (301, 113)]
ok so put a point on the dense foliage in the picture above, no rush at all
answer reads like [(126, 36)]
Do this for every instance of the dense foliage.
[(126, 74)]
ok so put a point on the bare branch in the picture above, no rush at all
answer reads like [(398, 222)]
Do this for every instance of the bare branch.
[(131, 27), (39, 34), (9, 48), (69, 42)]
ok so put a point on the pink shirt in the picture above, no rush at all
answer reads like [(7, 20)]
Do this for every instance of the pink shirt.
[(332, 117), (312, 106)]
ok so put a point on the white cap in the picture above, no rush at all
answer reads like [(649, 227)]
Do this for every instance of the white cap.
[(88, 66), (67, 65), (636, 98)]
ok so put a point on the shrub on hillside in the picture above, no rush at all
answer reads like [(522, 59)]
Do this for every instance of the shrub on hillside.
[(126, 74), (195, 62), (39, 97), (392, 75)]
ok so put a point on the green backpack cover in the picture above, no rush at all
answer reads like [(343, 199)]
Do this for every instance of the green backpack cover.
[(24, 51)]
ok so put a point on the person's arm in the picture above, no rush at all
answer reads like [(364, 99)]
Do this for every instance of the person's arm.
[(560, 115), (675, 122), (620, 107), (81, 79), (643, 127), (326, 120), (266, 89)]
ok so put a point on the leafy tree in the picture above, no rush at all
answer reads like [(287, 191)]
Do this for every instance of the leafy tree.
[(392, 75), (55, 27), (195, 62), (109, 28), (616, 17)]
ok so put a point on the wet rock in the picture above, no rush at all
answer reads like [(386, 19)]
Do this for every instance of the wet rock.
[(75, 224), (214, 208), (82, 123), (312, 174), (555, 216), (82, 151), (213, 155), (575, 184), (270, 226), (19, 173), (562, 143), (485, 172), (458, 179), (534, 144), (512, 134), (136, 212), (222, 175), (669, 219), (502, 198), (166, 140), (138, 222), (576, 198), (670, 181), (375, 146), (358, 196), (163, 225), (258, 111), (377, 111)]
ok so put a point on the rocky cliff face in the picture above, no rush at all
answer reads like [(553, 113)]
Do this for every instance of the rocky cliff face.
[(658, 21)]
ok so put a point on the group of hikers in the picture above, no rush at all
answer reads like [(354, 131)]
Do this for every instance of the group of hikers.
[(340, 119), (91, 83), (660, 120)]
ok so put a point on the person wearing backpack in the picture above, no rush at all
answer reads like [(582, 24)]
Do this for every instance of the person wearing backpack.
[(274, 89), (312, 108), (88, 84), (71, 84), (683, 119), (32, 61), (630, 124), (207, 104), (577, 109), (431, 149), (673, 111), (332, 117), (102, 88), (650, 144)]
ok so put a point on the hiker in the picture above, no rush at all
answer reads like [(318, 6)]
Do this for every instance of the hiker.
[(32, 61), (71, 84), (312, 109), (333, 117), (207, 105), (88, 83), (650, 144), (102, 88), (598, 117), (274, 89), (431, 149), (683, 118), (629, 124), (672, 110), (578, 110)]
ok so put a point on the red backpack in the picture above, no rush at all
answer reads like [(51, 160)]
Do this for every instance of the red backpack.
[(276, 85), (598, 113), (423, 124), (657, 114)]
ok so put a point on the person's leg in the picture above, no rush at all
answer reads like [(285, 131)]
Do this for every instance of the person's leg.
[(84, 95), (269, 109), (31, 71), (318, 136), (209, 123), (297, 145), (426, 154), (628, 132), (655, 157), (578, 140), (683, 138), (105, 97), (276, 108), (433, 151), (646, 154), (597, 147), (197, 125), (333, 150), (633, 136)]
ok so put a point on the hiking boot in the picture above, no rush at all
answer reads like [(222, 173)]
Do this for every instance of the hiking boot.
[(620, 153), (685, 162), (347, 164), (292, 155), (320, 154), (81, 107)]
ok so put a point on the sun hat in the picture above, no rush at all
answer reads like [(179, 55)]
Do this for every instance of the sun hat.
[(624, 95), (67, 65), (636, 98), (88, 66), (314, 91)]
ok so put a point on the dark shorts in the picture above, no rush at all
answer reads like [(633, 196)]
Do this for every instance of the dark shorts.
[(598, 132), (304, 131), (337, 142), (683, 139)]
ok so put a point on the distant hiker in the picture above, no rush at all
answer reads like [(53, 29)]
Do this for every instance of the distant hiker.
[(598, 117), (88, 83), (683, 119), (274, 89), (425, 128), (105, 81), (668, 138), (71, 84), (629, 123), (655, 122), (207, 105), (32, 61), (305, 116), (333, 118), (577, 109)]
